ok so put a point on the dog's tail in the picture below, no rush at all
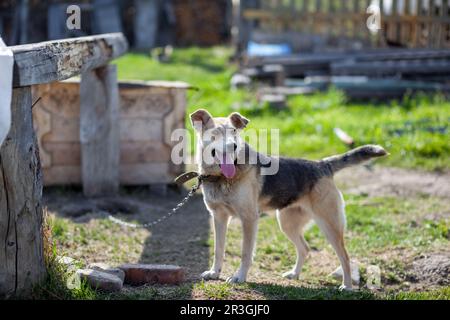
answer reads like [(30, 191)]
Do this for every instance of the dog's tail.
[(353, 157)]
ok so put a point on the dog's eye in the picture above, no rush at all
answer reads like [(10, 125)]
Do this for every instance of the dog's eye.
[(213, 152), (235, 146)]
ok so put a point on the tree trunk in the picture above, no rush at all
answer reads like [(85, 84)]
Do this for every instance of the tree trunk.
[(21, 240)]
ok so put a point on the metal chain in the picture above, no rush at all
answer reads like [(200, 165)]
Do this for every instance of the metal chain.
[(164, 217)]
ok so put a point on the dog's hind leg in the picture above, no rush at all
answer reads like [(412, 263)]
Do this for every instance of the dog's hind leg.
[(329, 214), (221, 219), (336, 238), (292, 221)]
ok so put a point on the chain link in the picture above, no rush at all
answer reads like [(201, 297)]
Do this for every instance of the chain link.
[(164, 217)]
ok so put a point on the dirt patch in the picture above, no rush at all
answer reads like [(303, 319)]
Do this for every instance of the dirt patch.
[(433, 269), (394, 182)]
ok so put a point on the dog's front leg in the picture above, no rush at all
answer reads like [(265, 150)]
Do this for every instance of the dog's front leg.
[(249, 228), (221, 220)]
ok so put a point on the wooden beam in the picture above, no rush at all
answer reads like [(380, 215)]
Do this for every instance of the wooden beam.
[(21, 217), (50, 61), (99, 131)]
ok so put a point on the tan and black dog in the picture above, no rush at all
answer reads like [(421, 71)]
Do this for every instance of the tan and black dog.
[(299, 191)]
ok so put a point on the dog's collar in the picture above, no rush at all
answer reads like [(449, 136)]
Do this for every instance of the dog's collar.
[(185, 177)]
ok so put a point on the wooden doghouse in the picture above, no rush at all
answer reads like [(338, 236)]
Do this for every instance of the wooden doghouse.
[(148, 114)]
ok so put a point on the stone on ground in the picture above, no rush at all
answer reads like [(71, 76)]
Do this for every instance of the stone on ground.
[(354, 266), (140, 274), (101, 280), (373, 275), (108, 269)]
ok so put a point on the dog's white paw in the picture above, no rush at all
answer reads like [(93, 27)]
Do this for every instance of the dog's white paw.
[(210, 275), (343, 287), (291, 275), (236, 279)]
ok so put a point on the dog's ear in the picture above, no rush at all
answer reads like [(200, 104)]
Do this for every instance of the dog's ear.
[(238, 121), (201, 119)]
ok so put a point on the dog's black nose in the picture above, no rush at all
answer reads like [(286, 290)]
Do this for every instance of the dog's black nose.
[(213, 152)]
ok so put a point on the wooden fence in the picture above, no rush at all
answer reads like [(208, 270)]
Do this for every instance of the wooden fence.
[(407, 23), (21, 216)]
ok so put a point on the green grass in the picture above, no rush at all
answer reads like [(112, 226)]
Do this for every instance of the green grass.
[(437, 294), (406, 128), (61, 281), (382, 231)]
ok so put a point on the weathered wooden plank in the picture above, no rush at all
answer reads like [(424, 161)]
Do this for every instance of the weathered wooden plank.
[(135, 152), (146, 173), (141, 130), (58, 60), (62, 153), (377, 68), (21, 253), (367, 55), (69, 153), (99, 131), (62, 175)]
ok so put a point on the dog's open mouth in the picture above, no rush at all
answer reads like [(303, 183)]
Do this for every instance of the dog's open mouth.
[(227, 166)]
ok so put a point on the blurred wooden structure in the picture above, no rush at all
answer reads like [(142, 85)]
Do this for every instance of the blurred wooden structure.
[(317, 24), (148, 114), (331, 44), (21, 216), (202, 22), (374, 74), (145, 23)]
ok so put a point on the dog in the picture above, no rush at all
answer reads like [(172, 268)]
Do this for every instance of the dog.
[(300, 191)]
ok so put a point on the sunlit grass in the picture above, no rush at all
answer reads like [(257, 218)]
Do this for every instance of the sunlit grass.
[(415, 131)]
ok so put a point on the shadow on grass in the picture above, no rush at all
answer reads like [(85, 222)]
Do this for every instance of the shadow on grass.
[(220, 290), (199, 62), (180, 240), (281, 292)]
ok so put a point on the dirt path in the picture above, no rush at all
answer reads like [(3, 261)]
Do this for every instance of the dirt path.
[(381, 181)]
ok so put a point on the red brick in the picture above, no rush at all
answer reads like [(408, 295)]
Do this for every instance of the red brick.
[(140, 274)]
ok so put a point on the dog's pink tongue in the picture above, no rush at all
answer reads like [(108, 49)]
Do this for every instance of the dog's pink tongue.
[(227, 166)]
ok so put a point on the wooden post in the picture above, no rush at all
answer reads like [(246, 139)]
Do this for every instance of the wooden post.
[(21, 249), (22, 264), (99, 131), (246, 26), (23, 38), (146, 23)]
